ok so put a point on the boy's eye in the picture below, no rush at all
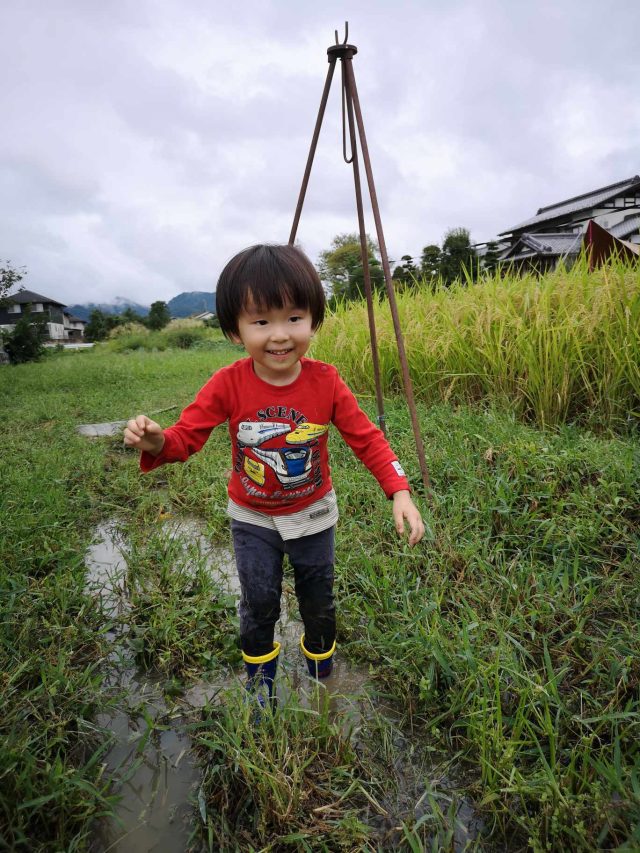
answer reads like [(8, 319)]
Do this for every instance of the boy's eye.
[(260, 322)]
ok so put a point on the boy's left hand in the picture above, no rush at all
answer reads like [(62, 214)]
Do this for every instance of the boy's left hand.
[(404, 508)]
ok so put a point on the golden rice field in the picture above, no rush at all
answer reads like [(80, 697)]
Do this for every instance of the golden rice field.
[(561, 348)]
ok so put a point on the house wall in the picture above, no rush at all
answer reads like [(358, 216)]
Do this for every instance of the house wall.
[(56, 315), (55, 331), (53, 312), (73, 329), (7, 319)]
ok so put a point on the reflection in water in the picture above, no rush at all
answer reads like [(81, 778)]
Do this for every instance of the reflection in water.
[(157, 778), (101, 430), (151, 755)]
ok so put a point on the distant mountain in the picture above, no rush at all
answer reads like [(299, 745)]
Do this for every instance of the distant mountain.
[(182, 305), (118, 306), (193, 302)]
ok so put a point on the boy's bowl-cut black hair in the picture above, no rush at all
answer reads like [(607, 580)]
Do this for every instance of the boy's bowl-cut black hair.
[(269, 275)]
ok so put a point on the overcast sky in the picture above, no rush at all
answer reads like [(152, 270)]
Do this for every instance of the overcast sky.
[(144, 142)]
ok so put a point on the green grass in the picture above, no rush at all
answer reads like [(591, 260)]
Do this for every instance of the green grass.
[(181, 621), (56, 486), (294, 776), (180, 334), (509, 639), (304, 779), (513, 633)]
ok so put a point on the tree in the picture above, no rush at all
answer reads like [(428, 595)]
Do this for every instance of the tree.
[(9, 278), (491, 258), (129, 316), (458, 258), (341, 267), (158, 316), (100, 324), (25, 342), (406, 273), (430, 263), (97, 328)]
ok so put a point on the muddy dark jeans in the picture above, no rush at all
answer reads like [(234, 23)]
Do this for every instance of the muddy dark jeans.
[(259, 555)]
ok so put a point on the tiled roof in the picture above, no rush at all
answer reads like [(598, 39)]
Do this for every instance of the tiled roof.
[(24, 296), (623, 229), (580, 202), (564, 243)]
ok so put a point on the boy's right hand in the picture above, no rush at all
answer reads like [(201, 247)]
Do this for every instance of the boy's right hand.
[(144, 434)]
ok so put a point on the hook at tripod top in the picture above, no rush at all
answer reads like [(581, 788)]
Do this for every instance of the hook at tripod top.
[(346, 33), (341, 50)]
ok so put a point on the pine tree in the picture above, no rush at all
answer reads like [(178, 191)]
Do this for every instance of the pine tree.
[(25, 342), (458, 258), (430, 263)]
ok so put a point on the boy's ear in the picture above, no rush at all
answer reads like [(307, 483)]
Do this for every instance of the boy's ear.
[(236, 339)]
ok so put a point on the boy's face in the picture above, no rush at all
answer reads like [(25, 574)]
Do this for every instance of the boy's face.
[(276, 339)]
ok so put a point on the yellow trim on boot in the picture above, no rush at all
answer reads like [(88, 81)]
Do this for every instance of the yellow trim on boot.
[(262, 658), (321, 656)]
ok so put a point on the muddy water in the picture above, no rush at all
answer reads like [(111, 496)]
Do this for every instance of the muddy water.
[(151, 755), (101, 430), (156, 772)]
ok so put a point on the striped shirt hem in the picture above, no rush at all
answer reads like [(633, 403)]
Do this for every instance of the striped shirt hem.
[(315, 518)]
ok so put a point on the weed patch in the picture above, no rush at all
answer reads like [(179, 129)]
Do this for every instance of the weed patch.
[(509, 637)]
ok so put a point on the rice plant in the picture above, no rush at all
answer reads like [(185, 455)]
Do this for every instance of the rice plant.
[(560, 348)]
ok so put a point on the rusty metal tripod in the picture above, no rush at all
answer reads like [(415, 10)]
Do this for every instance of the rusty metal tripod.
[(345, 53)]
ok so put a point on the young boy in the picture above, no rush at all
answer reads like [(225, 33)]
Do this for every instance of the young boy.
[(279, 405)]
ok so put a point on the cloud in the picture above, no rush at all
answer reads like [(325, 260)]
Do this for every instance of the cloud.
[(148, 142)]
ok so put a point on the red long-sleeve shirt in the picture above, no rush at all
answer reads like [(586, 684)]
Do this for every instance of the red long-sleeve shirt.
[(279, 435)]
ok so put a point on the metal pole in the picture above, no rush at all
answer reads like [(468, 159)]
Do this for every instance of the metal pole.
[(364, 251), (312, 150), (406, 377), (345, 53)]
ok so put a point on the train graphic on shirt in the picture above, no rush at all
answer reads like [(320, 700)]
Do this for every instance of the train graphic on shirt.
[(295, 463)]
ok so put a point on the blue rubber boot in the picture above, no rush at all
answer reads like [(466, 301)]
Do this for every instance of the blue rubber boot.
[(319, 665), (261, 672)]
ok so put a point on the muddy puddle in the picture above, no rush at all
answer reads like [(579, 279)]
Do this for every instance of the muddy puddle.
[(151, 752), (151, 757)]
